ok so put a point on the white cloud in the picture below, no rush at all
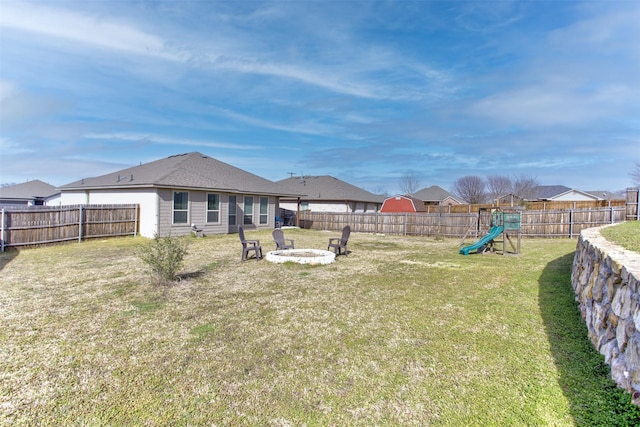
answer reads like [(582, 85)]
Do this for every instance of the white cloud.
[(83, 29), (582, 73), (163, 140), (308, 127), (551, 105), (19, 107), (234, 52)]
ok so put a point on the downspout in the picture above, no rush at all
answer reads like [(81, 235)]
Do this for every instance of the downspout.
[(157, 214), (2, 232), (80, 224)]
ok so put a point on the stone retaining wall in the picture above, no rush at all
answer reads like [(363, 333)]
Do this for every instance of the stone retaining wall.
[(606, 280)]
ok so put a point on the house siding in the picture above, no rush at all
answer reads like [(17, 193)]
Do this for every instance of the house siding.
[(339, 207), (573, 196), (198, 213), (146, 199)]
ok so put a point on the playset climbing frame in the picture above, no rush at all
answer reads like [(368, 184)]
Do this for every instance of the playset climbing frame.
[(505, 224)]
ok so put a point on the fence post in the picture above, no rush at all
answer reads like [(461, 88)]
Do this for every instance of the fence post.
[(405, 224), (135, 222), (376, 222), (611, 210), (571, 223), (2, 231), (80, 224)]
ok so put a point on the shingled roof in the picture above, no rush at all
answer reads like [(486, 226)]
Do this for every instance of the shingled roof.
[(548, 191), (190, 170), (327, 188), (29, 190), (432, 194)]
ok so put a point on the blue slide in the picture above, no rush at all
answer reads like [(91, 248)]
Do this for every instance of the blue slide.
[(493, 233)]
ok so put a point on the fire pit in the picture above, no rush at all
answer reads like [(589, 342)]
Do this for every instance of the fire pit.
[(301, 256)]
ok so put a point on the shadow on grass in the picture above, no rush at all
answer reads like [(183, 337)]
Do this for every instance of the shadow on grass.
[(7, 256), (191, 275), (594, 398)]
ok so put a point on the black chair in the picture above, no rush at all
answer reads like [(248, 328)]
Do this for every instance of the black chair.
[(338, 244), (249, 245), (281, 242)]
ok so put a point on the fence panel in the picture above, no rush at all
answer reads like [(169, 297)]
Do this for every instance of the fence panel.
[(37, 225), (537, 223), (551, 205), (633, 204)]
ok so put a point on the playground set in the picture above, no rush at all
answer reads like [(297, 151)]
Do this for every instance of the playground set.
[(503, 224)]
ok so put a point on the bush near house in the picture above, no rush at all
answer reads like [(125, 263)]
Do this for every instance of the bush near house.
[(164, 256)]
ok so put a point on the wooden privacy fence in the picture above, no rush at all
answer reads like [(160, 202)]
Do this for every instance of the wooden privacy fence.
[(540, 223), (37, 225), (550, 205)]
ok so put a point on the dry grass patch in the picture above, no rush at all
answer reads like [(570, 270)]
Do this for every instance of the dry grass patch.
[(403, 331)]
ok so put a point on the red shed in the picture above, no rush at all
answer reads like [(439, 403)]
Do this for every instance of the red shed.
[(403, 204)]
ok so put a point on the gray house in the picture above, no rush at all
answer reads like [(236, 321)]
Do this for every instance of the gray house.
[(180, 191), (30, 193), (325, 193), (564, 194), (436, 196)]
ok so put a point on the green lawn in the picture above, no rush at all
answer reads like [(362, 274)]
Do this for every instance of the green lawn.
[(626, 235), (403, 331)]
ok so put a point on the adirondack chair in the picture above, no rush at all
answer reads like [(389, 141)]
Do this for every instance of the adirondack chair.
[(281, 242), (249, 245), (338, 244)]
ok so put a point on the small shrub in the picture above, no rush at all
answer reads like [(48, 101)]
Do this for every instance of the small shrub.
[(164, 255)]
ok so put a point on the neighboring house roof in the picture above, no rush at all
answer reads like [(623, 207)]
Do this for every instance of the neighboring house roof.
[(575, 195), (399, 203), (190, 171), (327, 188), (545, 192), (451, 200), (607, 195), (561, 192), (432, 194), (27, 191), (509, 197)]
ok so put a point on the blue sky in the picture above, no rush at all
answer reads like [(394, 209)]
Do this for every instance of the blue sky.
[(363, 91)]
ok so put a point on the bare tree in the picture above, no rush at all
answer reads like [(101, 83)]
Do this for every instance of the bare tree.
[(498, 185), (409, 183), (526, 187), (470, 188), (635, 174), (380, 190)]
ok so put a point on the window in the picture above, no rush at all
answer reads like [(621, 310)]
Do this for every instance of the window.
[(264, 210), (180, 207), (233, 210), (213, 208), (248, 210), (304, 206)]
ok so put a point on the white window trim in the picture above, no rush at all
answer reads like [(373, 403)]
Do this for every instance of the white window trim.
[(173, 207), (207, 210), (244, 211)]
